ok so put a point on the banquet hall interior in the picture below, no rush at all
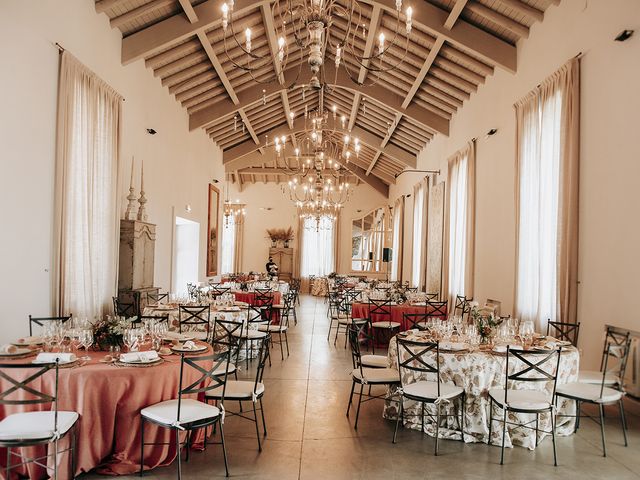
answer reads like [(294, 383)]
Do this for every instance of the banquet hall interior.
[(320, 239)]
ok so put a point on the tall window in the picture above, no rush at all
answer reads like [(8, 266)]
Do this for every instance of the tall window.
[(318, 247), (228, 246), (86, 208), (420, 193), (547, 178), (398, 236), (461, 223)]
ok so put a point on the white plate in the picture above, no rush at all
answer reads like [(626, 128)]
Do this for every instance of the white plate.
[(17, 353), (41, 362), (28, 341), (181, 337), (138, 362), (198, 349), (453, 346)]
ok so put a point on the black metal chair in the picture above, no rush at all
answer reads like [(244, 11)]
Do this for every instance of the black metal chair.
[(462, 306), (437, 309), (529, 366), (246, 391), (416, 320), (218, 289), (423, 359), (193, 319), (280, 326), (598, 394), (29, 429), (362, 375), (187, 414), (381, 308), (42, 321), (126, 309), (564, 331), (154, 298)]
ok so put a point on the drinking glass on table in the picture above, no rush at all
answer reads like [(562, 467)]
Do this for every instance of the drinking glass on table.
[(526, 332)]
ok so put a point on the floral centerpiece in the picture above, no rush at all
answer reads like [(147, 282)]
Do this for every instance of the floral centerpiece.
[(486, 324), (285, 235), (398, 294), (109, 331)]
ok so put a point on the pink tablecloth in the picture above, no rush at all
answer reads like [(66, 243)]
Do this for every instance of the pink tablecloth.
[(361, 310), (250, 297), (109, 400)]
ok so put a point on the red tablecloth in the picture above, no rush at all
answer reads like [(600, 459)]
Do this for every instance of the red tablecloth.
[(109, 400), (250, 297), (361, 310)]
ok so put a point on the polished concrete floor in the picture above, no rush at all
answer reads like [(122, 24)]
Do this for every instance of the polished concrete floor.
[(309, 436)]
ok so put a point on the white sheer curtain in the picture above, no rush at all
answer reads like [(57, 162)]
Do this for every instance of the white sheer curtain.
[(86, 204), (397, 240), (460, 224), (228, 247), (547, 202), (318, 253), (418, 260)]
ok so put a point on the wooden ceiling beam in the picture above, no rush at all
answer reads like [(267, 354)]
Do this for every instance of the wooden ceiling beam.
[(454, 14), (524, 9), (355, 106), (136, 13), (514, 27), (374, 23), (267, 18), (188, 10), (489, 47), (105, 5), (433, 53), (373, 181), (177, 28), (384, 142)]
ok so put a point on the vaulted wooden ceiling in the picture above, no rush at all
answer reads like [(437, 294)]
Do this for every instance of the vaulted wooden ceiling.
[(453, 47)]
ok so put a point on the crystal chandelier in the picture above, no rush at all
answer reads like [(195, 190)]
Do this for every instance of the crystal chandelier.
[(234, 212), (316, 28), (322, 215)]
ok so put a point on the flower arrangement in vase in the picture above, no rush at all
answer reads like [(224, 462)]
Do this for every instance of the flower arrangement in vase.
[(109, 331), (284, 235), (486, 324)]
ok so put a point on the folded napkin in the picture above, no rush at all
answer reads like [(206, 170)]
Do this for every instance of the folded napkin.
[(189, 345), (8, 349), (141, 357), (47, 357)]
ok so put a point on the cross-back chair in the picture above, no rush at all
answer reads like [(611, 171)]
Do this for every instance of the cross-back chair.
[(380, 317), (422, 360), (462, 306), (436, 309), (45, 426), (42, 321), (527, 367), (188, 414), (127, 309), (418, 321), (156, 298), (195, 318), (565, 331)]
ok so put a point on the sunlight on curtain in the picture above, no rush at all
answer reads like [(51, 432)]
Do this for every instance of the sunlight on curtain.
[(398, 226), (318, 248), (539, 173), (457, 226), (86, 208), (228, 246), (419, 224)]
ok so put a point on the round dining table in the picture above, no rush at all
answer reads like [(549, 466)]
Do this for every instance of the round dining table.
[(361, 310), (478, 370), (108, 397)]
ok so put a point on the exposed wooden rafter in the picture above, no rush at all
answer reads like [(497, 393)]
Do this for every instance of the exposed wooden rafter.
[(455, 13), (385, 140)]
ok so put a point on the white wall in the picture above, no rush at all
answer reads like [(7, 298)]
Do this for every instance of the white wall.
[(178, 164), (609, 229)]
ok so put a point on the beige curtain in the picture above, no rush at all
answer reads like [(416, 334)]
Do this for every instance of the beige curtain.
[(86, 199), (547, 179), (420, 227), (398, 239), (460, 225), (237, 251)]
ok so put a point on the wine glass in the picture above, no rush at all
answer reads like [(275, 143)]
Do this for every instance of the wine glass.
[(526, 332)]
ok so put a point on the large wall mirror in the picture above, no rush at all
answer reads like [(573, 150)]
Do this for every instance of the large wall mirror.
[(212, 231), (370, 235)]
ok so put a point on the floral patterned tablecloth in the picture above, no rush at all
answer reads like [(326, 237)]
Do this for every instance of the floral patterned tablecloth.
[(478, 372)]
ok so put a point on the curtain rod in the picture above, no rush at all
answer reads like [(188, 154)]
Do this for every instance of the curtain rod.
[(430, 172), (62, 49)]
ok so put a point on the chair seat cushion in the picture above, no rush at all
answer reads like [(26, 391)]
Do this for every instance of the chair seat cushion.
[(588, 392), (35, 425), (191, 411), (350, 321), (374, 361), (220, 370), (341, 316), (522, 399), (429, 390), (250, 334), (376, 375), (272, 328), (592, 376), (237, 390), (385, 325)]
